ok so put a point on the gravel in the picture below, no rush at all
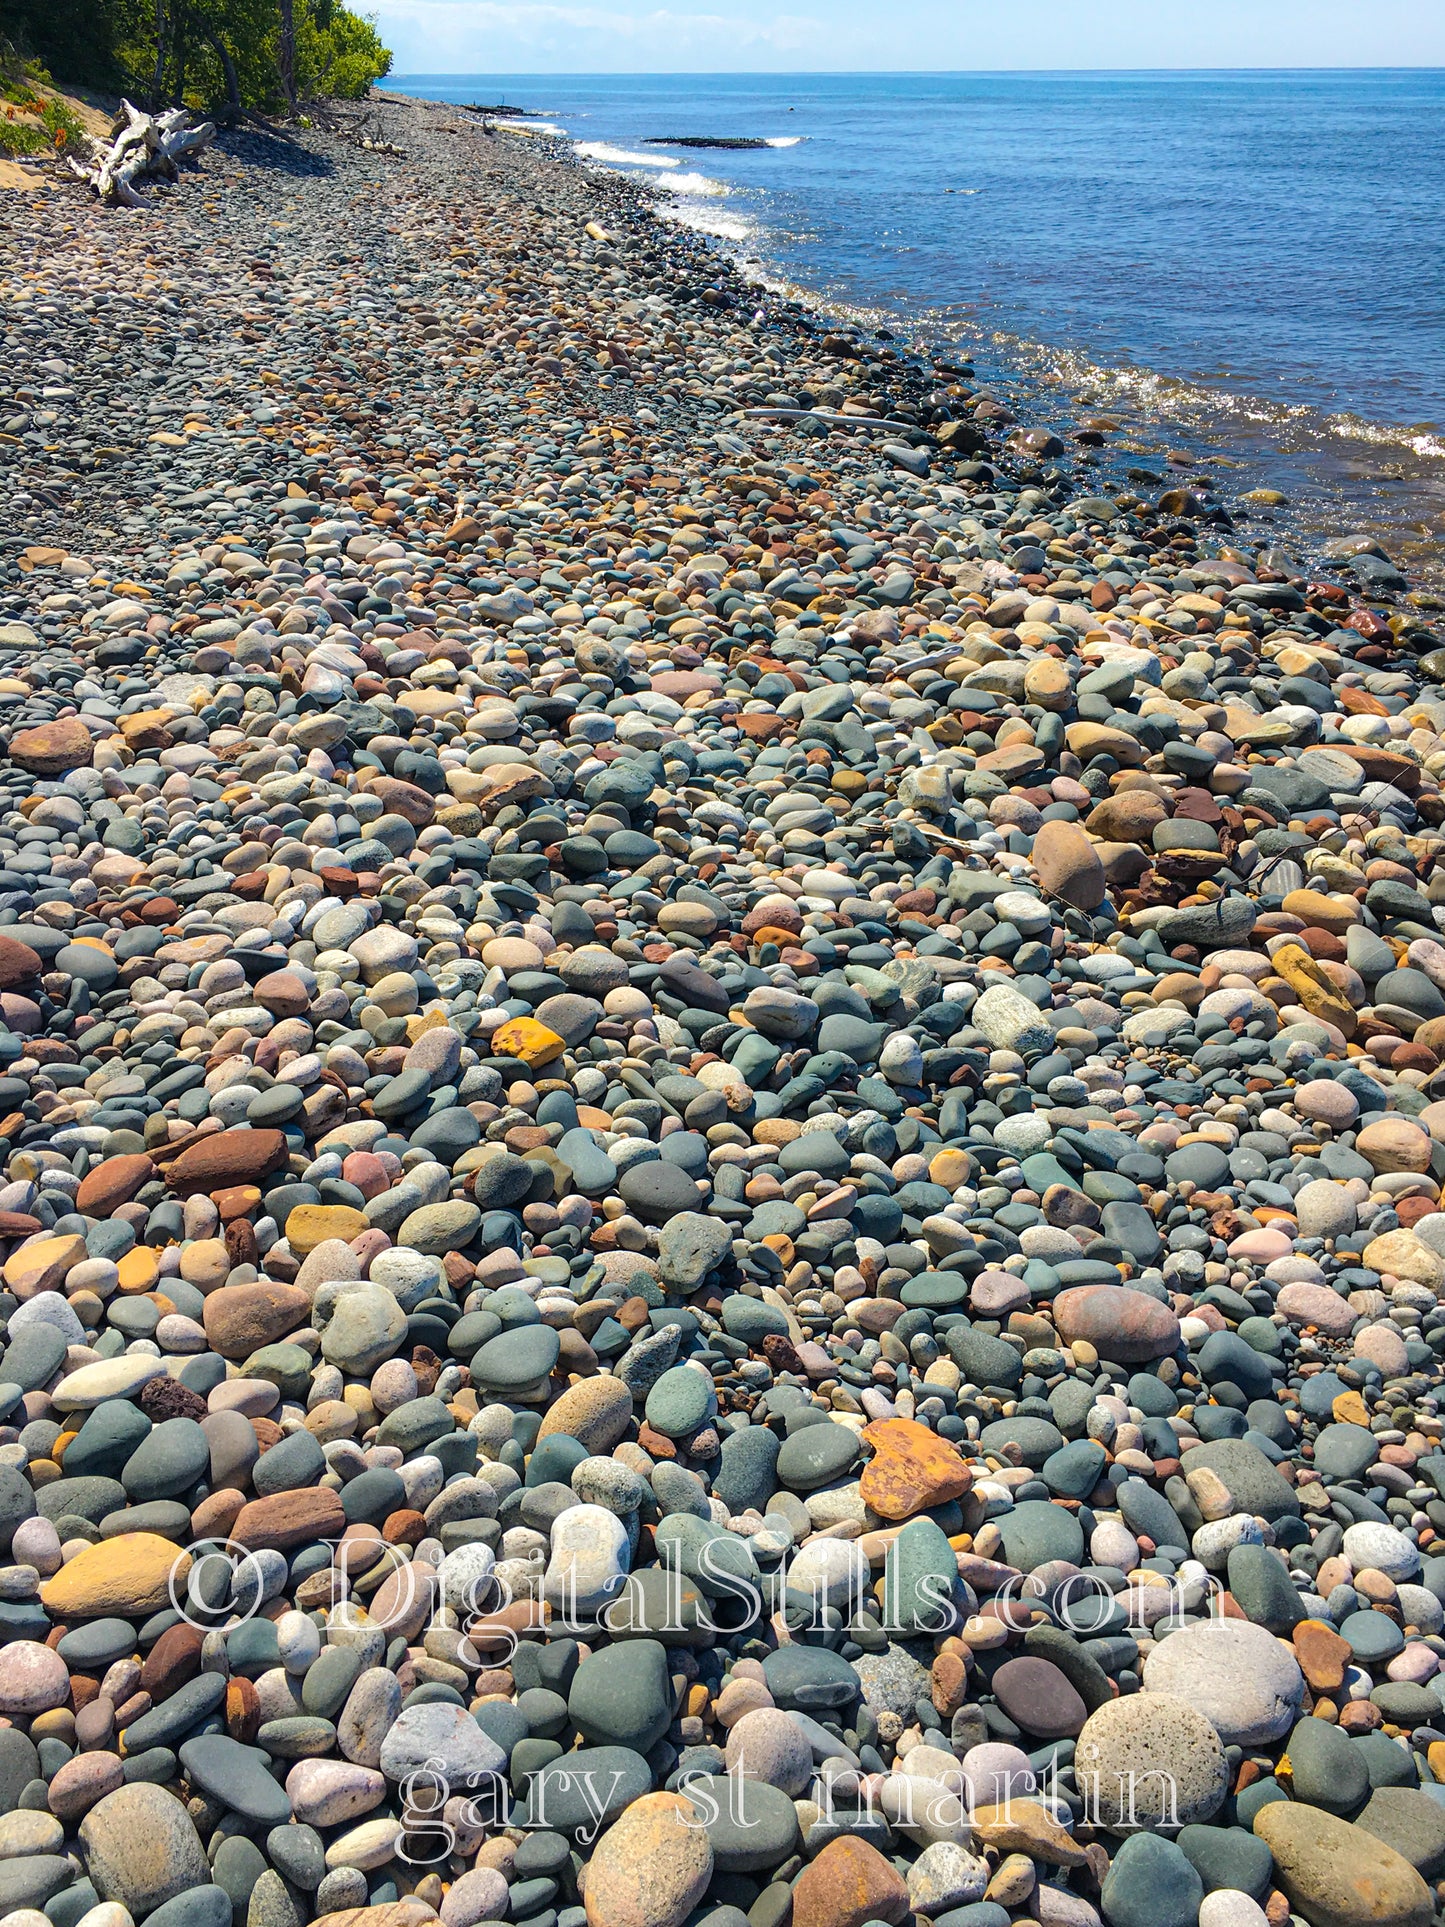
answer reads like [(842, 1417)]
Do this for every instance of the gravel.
[(679, 1095)]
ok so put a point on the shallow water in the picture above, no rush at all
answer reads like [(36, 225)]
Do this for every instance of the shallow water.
[(1237, 266)]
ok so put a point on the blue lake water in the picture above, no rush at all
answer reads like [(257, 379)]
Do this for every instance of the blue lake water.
[(1241, 266)]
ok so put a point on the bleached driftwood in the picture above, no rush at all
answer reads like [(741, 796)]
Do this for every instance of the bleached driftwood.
[(148, 146)]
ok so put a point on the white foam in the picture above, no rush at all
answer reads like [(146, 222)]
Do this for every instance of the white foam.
[(786, 140), (1417, 438), (619, 156), (704, 220), (702, 186)]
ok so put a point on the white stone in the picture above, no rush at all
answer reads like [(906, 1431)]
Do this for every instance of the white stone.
[(589, 1560), (1384, 1548), (946, 1875)]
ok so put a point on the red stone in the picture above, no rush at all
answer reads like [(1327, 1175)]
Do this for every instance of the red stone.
[(18, 962), (288, 1519), (224, 1158), (1322, 944), (113, 1183)]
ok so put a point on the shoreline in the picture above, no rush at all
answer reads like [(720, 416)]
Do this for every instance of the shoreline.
[(743, 1108), (1061, 390), (1116, 465), (1307, 469)]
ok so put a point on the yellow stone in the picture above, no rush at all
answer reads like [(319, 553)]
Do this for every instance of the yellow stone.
[(950, 1169), (525, 1038), (1404, 1255), (136, 1572), (1023, 1826), (1048, 683), (1013, 1883), (1323, 912), (1087, 740), (309, 1225), (138, 1270), (1313, 988), (142, 723), (1248, 728), (42, 1265), (425, 1020), (1350, 1409)]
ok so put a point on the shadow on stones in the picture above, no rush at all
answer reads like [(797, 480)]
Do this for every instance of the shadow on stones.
[(282, 155)]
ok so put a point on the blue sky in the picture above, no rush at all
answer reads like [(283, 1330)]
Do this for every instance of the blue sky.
[(818, 36)]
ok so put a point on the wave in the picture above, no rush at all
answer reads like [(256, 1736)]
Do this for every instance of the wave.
[(786, 140), (618, 156), (707, 220), (1418, 438), (1180, 394), (700, 186), (534, 126)]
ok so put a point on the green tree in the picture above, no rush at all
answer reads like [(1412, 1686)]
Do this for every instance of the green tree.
[(338, 53), (265, 55)]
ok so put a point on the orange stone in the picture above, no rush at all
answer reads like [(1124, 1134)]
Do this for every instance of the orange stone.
[(51, 748), (652, 1866), (1322, 1654), (911, 1469), (112, 1183), (948, 1683), (243, 1710), (138, 1270), (236, 1201), (849, 1883)]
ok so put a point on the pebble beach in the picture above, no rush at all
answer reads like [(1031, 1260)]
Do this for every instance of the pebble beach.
[(722, 1106)]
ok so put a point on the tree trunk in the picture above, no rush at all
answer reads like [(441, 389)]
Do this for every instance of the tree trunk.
[(228, 68), (162, 49), (286, 53)]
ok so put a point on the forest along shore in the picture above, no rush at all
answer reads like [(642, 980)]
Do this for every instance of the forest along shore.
[(594, 985)]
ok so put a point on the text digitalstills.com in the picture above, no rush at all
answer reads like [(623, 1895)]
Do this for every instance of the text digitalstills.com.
[(217, 1585)]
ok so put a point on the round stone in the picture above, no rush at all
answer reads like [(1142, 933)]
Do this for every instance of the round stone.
[(141, 1848), (1244, 1682), (1151, 1760)]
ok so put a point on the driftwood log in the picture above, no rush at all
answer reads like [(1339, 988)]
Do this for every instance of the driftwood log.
[(146, 147)]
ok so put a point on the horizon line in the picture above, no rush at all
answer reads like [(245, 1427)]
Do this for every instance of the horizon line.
[(871, 73)]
